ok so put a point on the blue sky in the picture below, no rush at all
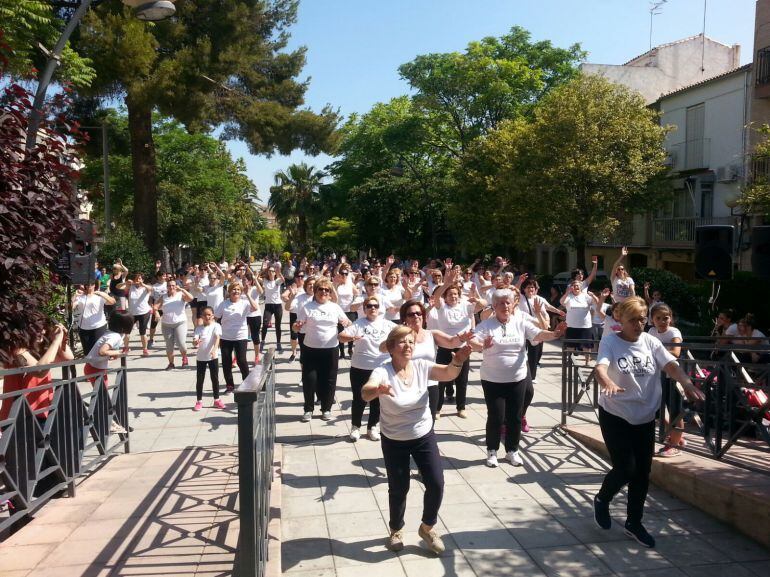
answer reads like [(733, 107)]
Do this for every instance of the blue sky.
[(355, 46)]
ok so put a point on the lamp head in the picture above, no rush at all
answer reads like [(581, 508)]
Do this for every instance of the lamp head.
[(152, 10)]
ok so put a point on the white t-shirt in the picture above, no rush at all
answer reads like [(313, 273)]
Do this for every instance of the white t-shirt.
[(199, 284), (578, 310), (321, 323), (455, 319), (405, 416), (636, 368), (92, 315), (94, 359), (272, 291), (255, 295), (345, 295), (173, 309), (425, 350), (392, 297), (610, 325), (597, 319), (233, 315), (366, 351), (138, 301), (506, 360), (431, 321), (528, 305), (159, 290), (621, 288), (667, 337), (214, 295), (206, 334)]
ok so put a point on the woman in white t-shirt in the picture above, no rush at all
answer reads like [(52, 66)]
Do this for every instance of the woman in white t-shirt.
[(401, 386), (578, 304), (393, 294), (662, 318), (628, 371), (294, 296), (206, 338), (272, 279), (504, 372), (107, 347), (751, 337), (89, 307), (622, 283), (347, 292), (320, 354), (366, 334), (453, 317), (174, 322), (158, 292), (254, 318), (139, 308), (233, 313)]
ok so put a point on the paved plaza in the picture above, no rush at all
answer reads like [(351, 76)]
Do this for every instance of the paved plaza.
[(170, 507)]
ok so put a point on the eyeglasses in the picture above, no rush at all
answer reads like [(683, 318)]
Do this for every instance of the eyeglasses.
[(414, 314), (344, 272), (372, 284), (323, 290), (372, 306)]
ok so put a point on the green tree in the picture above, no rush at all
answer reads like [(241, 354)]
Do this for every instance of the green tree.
[(294, 197), (268, 241), (26, 23), (755, 197), (215, 64), (339, 235), (592, 151)]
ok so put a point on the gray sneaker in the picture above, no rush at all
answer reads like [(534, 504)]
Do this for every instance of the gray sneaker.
[(306, 417), (396, 540)]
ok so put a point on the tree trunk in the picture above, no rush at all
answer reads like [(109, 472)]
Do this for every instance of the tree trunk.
[(144, 172), (580, 249), (302, 233)]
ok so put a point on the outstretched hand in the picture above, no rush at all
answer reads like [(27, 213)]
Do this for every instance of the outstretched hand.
[(385, 389), (462, 354)]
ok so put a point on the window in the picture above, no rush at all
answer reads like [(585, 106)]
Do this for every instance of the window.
[(694, 132), (706, 199)]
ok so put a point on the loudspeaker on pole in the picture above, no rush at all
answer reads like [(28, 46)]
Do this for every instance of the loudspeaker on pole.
[(760, 251), (714, 252)]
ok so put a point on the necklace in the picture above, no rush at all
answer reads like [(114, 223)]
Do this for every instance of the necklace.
[(408, 377)]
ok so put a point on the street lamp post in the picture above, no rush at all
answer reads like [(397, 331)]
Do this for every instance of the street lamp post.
[(144, 9)]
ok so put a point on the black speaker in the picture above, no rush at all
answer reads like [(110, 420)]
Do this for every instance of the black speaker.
[(714, 252), (760, 251)]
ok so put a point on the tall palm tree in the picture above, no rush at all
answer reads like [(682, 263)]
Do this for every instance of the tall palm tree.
[(294, 196)]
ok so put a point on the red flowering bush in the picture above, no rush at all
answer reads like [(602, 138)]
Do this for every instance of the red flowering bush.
[(38, 208)]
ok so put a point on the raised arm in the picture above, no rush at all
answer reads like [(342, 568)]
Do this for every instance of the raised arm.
[(623, 253), (594, 268)]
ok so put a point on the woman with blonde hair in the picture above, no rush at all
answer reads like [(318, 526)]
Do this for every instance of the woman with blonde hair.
[(401, 385), (233, 313), (622, 283), (628, 370)]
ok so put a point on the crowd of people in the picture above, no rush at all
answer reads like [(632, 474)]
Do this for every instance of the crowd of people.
[(409, 332)]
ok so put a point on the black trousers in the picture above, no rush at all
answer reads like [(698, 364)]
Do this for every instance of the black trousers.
[(457, 387), (631, 448), (319, 374), (425, 453), (505, 403), (88, 337), (270, 311), (534, 353), (227, 348), (292, 333), (358, 378), (255, 324), (213, 366)]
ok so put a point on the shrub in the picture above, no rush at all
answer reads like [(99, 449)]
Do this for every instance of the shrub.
[(676, 293), (127, 245)]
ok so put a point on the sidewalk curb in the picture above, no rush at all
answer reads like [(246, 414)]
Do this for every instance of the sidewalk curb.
[(273, 568)]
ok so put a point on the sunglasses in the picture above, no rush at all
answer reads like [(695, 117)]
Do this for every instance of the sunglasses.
[(414, 314), (372, 306), (323, 290), (373, 284), (344, 272)]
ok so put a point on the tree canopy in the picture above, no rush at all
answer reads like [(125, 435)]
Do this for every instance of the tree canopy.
[(215, 64)]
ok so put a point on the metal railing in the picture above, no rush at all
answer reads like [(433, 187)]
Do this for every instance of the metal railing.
[(57, 432), (256, 441), (732, 383), (762, 67), (681, 231)]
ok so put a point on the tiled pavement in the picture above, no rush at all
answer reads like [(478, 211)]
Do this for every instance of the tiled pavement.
[(169, 507)]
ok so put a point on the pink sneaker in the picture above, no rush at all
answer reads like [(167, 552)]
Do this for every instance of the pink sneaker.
[(219, 404), (145, 353), (524, 425), (198, 406), (185, 362), (125, 350)]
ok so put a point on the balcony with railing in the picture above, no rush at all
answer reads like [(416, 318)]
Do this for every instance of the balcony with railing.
[(688, 155), (679, 232), (760, 169)]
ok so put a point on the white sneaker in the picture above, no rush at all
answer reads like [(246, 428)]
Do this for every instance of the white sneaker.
[(306, 417), (355, 434), (491, 458), (326, 416), (373, 434), (514, 458), (534, 381)]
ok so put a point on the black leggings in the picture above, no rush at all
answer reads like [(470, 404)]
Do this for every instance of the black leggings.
[(270, 311), (425, 453), (534, 353), (631, 448), (213, 366), (352, 316), (88, 337), (460, 383), (358, 378), (227, 348), (293, 335), (255, 323), (505, 402), (319, 374)]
